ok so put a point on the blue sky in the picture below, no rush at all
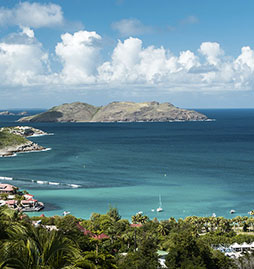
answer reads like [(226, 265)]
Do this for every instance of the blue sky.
[(191, 53)]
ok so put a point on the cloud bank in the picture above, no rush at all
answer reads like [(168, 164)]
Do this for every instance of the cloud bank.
[(24, 62)]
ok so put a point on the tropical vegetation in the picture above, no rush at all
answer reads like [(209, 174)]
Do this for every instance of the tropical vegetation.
[(108, 241)]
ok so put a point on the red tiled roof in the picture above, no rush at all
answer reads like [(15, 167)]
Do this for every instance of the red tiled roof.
[(89, 233), (100, 236), (11, 202), (136, 225), (6, 187), (28, 201)]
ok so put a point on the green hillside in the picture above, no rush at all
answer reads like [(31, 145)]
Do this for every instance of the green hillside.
[(7, 139)]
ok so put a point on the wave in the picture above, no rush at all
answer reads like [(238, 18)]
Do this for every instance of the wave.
[(41, 182), (37, 135), (74, 185), (46, 149), (9, 156), (53, 183), (31, 151), (6, 178)]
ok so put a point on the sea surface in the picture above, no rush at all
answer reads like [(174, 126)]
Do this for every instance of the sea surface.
[(198, 168)]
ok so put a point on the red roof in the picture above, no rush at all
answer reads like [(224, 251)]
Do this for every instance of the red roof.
[(6, 187), (100, 236), (136, 225), (28, 201), (11, 202), (89, 233)]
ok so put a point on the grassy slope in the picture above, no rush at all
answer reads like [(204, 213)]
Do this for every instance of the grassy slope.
[(7, 139)]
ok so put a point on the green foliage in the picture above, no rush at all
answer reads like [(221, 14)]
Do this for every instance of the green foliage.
[(144, 257), (187, 252), (114, 214), (75, 244), (7, 139)]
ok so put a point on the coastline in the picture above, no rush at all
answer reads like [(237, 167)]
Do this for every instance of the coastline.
[(26, 147)]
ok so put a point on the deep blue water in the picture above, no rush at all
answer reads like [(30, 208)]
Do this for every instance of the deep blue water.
[(197, 167)]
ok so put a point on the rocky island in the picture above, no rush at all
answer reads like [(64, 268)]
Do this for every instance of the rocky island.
[(13, 140), (7, 113), (116, 112)]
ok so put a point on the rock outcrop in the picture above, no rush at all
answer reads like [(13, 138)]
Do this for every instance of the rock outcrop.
[(13, 140), (25, 131), (7, 113), (116, 112), (29, 146)]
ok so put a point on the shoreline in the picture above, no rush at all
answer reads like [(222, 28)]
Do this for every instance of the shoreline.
[(27, 146)]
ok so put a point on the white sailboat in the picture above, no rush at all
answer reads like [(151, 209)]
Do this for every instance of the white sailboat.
[(159, 209)]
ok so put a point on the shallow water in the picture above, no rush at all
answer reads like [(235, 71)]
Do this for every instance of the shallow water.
[(197, 167)]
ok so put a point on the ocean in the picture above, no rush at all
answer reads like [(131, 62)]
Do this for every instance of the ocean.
[(198, 168)]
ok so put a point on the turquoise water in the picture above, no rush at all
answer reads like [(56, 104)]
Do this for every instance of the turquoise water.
[(197, 167)]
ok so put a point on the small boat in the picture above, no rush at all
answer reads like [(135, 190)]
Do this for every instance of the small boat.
[(251, 212), (65, 213), (232, 211), (159, 209), (214, 215)]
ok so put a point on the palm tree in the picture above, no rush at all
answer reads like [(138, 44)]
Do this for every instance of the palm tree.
[(94, 260), (37, 248), (163, 229)]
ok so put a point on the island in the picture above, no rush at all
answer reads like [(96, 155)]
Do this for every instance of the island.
[(14, 140), (8, 113), (116, 112)]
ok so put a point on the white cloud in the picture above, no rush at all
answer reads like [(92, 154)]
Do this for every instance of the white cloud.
[(23, 62), (212, 51), (27, 31), (190, 20), (33, 15), (131, 63), (129, 27), (79, 54)]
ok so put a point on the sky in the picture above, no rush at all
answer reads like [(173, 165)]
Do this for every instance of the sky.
[(194, 54)]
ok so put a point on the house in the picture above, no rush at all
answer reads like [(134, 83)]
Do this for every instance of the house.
[(7, 188), (28, 196), (29, 203), (11, 203)]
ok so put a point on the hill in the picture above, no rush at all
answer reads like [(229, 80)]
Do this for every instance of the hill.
[(116, 112)]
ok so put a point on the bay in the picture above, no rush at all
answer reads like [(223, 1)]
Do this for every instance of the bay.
[(198, 168)]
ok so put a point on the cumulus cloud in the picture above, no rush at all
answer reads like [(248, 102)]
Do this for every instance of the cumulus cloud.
[(132, 63), (212, 51), (24, 62), (79, 54), (34, 15), (129, 27)]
